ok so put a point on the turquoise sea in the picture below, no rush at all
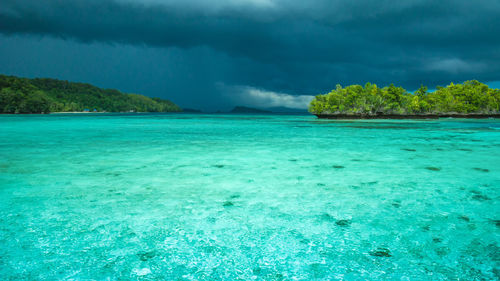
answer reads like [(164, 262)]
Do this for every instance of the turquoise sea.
[(248, 197)]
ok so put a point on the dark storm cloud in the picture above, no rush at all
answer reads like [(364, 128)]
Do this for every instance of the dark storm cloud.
[(298, 47)]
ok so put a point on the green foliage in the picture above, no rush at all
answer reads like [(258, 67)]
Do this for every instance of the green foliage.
[(22, 95), (469, 97)]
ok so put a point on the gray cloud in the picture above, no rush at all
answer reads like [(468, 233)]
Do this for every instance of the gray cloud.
[(281, 46), (454, 66), (265, 99)]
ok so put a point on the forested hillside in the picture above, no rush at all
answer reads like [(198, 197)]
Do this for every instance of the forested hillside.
[(43, 95), (471, 97)]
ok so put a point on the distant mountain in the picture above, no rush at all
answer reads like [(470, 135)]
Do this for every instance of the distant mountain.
[(244, 109), (191, 110), (281, 109), (44, 95), (277, 109)]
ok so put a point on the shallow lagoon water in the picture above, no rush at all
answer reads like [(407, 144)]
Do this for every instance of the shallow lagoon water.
[(263, 197)]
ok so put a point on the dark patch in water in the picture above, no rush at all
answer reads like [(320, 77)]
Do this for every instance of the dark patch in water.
[(426, 228), (442, 251), (439, 149), (320, 184), (210, 249), (218, 166), (343, 223), (481, 170), (319, 271), (356, 160), (276, 276), (433, 168), (496, 222), (437, 240), (409, 149), (480, 197), (305, 241), (381, 252), (465, 149), (369, 183), (338, 167), (144, 256), (327, 217), (496, 271), (464, 218), (292, 160), (396, 203), (471, 226), (228, 204), (234, 196)]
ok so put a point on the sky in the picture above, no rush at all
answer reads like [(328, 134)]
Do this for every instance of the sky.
[(215, 54)]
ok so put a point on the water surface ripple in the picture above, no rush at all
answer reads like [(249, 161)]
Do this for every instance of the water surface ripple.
[(190, 197)]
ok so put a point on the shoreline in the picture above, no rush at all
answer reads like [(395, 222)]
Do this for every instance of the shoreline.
[(407, 116), (82, 112), (75, 112)]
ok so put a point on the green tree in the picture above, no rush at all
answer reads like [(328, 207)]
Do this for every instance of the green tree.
[(21, 95), (468, 97)]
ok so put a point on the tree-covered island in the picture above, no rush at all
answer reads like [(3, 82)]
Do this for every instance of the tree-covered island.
[(471, 99), (43, 95)]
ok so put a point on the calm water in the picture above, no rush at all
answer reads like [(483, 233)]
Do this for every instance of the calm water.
[(189, 197)]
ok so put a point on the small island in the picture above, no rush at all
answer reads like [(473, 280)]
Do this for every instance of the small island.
[(44, 95), (471, 99)]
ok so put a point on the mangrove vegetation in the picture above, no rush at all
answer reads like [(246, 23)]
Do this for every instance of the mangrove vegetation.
[(23, 95), (469, 98)]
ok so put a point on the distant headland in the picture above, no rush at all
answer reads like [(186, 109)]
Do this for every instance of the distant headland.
[(245, 109), (471, 99), (44, 95)]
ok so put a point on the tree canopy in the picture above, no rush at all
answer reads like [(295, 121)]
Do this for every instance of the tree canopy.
[(471, 97), (43, 95)]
